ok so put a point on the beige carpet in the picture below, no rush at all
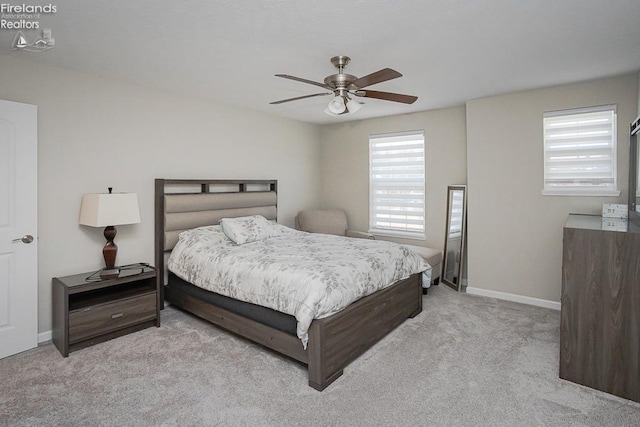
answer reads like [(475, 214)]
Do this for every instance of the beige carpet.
[(465, 361)]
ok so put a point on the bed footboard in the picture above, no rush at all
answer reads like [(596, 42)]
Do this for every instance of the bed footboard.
[(336, 341)]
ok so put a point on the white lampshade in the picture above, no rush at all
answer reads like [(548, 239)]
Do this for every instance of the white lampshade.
[(336, 106), (103, 210), (353, 106)]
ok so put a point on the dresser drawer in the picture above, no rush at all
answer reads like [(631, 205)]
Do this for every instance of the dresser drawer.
[(100, 319)]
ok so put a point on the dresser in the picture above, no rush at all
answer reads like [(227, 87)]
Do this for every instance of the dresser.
[(600, 315)]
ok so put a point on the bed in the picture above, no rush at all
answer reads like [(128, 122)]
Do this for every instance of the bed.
[(332, 342)]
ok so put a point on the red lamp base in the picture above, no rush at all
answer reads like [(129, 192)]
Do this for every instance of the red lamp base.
[(110, 251)]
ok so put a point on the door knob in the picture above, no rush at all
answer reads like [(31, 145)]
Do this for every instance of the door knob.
[(24, 239)]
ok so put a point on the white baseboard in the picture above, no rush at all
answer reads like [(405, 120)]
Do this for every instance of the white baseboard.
[(44, 337), (554, 305)]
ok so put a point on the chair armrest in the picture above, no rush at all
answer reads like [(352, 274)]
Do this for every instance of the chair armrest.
[(359, 234)]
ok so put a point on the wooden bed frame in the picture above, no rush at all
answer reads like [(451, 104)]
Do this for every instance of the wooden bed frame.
[(334, 341)]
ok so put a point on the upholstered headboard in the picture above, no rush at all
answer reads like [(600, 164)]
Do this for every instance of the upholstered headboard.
[(182, 204)]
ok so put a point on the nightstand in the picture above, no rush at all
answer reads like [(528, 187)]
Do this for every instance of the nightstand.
[(88, 310)]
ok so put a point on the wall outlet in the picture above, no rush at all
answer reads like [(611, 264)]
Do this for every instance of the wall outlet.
[(610, 210), (615, 224)]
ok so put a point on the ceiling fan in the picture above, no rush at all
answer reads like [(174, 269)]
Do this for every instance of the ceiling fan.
[(344, 86)]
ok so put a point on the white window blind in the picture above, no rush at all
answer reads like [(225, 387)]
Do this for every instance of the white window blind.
[(396, 184), (455, 226), (580, 152)]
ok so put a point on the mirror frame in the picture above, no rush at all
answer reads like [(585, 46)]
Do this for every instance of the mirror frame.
[(463, 237), (634, 173)]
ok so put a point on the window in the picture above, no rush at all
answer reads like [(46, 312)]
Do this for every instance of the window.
[(457, 205), (580, 152), (396, 184)]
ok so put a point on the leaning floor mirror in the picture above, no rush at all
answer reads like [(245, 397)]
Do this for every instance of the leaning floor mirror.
[(455, 237)]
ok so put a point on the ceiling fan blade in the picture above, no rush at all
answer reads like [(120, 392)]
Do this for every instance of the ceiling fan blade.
[(301, 97), (377, 77), (387, 96), (298, 79)]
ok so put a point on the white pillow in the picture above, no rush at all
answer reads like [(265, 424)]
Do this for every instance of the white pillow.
[(246, 229), (212, 233)]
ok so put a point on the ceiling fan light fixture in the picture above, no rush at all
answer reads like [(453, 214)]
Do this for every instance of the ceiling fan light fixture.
[(343, 86), (337, 105)]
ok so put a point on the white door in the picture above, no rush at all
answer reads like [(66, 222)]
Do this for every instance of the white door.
[(18, 228)]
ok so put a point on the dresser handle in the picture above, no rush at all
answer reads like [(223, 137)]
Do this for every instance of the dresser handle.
[(117, 316)]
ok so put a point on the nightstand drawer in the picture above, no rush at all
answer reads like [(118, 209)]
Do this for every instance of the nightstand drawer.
[(96, 320)]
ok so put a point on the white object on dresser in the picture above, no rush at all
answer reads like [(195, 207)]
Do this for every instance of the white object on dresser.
[(612, 210)]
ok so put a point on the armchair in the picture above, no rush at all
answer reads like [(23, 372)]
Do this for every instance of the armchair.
[(327, 221)]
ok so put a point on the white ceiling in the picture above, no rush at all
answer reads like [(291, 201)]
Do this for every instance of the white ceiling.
[(449, 51)]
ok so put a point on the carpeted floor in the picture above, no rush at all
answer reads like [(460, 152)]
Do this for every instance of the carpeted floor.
[(465, 361)]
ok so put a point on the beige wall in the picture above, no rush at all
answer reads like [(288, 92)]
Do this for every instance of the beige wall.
[(515, 233), (345, 165), (94, 133)]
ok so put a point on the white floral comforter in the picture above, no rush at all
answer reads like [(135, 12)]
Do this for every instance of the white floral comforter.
[(305, 275)]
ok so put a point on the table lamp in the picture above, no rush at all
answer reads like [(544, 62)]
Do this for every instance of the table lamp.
[(108, 210)]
